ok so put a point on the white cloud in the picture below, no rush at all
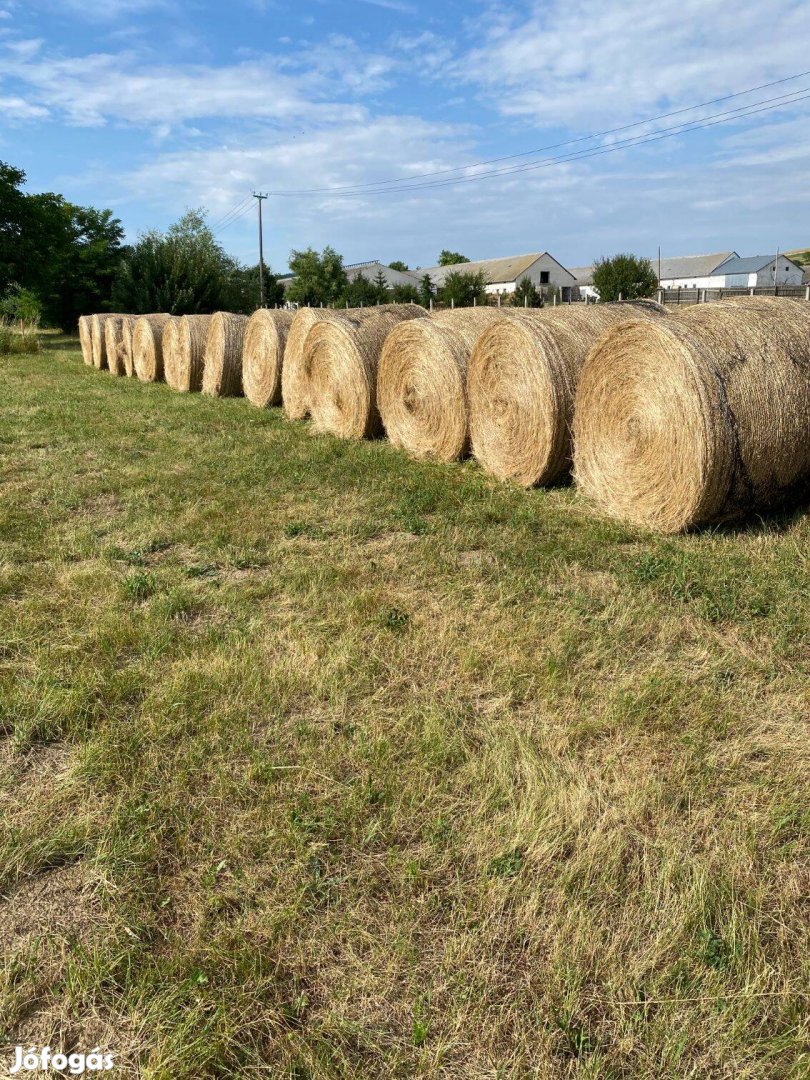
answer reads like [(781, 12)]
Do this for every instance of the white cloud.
[(586, 62), (18, 109)]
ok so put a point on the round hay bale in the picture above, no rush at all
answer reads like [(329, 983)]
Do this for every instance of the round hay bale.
[(147, 347), (699, 417), (183, 364), (168, 348), (222, 365), (86, 339), (521, 384), (294, 373), (114, 344), (341, 357), (263, 356), (422, 381), (127, 327), (99, 345)]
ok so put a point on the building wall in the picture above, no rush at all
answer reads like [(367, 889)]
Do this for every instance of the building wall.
[(708, 282), (788, 274), (544, 272)]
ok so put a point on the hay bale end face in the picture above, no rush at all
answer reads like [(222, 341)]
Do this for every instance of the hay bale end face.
[(521, 384), (184, 367), (422, 381), (99, 345), (147, 347), (222, 366), (697, 418), (127, 327), (114, 344), (263, 356), (341, 358), (86, 339)]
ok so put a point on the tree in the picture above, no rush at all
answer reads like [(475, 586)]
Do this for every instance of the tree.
[(463, 288), (406, 294), (183, 272), (242, 294), (450, 258), (624, 276), (317, 279), (381, 286), (22, 305), (360, 292), (426, 290), (67, 255), (526, 294), (398, 264)]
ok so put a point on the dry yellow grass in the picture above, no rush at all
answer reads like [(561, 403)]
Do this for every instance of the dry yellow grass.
[(147, 347)]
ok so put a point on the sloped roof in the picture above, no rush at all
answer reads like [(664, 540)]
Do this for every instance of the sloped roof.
[(510, 268), (583, 274), (685, 266), (371, 269), (749, 265)]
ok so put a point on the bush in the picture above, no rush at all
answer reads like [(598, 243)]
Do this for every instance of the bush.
[(624, 277), (526, 294), (15, 341), (464, 289)]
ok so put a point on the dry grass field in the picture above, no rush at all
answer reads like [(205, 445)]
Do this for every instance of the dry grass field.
[(316, 761)]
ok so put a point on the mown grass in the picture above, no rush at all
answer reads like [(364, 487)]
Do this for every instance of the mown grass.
[(319, 762)]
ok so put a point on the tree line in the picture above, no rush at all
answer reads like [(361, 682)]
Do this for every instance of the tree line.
[(59, 260)]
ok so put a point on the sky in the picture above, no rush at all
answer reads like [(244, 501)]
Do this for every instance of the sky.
[(151, 107)]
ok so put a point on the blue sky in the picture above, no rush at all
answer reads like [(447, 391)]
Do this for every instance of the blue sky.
[(153, 106)]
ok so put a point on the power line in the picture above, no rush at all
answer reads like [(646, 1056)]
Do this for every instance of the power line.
[(551, 146), (639, 140)]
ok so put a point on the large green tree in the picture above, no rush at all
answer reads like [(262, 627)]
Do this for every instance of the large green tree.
[(67, 255), (317, 278), (185, 271), (624, 277)]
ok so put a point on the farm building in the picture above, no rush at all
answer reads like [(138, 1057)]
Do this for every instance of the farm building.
[(758, 271), (727, 270), (502, 275), (370, 269), (693, 271), (584, 289)]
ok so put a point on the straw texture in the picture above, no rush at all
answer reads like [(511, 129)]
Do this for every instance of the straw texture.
[(127, 328), (86, 339), (183, 362), (99, 345), (114, 344), (263, 356), (222, 366), (522, 380), (169, 346), (341, 357), (422, 381), (697, 418), (147, 347)]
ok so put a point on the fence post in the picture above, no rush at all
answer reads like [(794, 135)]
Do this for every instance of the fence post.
[(807, 293), (751, 291), (499, 299), (452, 303), (526, 299), (431, 303), (660, 296)]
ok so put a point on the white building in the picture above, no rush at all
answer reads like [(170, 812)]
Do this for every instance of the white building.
[(692, 271), (584, 286), (503, 275), (759, 271)]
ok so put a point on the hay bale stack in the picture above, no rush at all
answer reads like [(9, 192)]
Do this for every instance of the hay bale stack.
[(263, 356), (521, 383), (342, 357), (183, 362), (86, 339), (99, 345), (422, 381), (114, 344), (147, 347), (222, 365), (699, 417), (127, 328)]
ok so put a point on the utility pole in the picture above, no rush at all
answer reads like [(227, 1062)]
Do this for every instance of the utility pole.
[(259, 197)]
